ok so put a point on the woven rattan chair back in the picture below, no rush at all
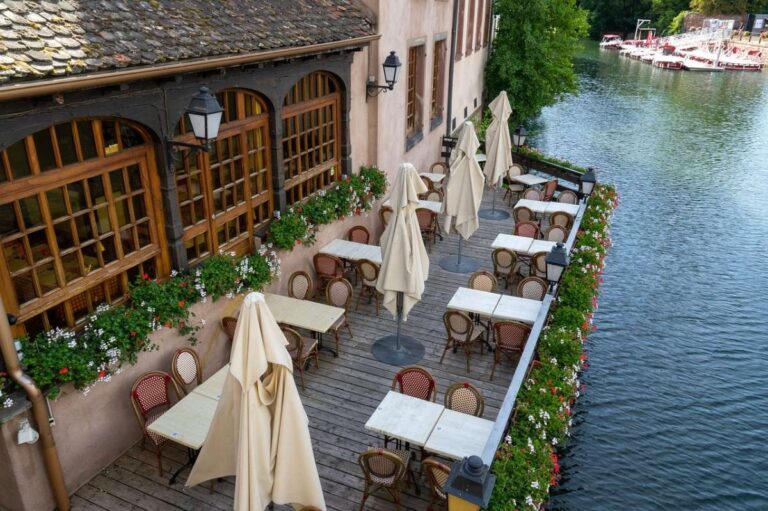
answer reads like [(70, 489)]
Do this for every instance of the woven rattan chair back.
[(151, 393), (439, 167), (538, 266), (556, 233), (527, 229), (339, 293), (359, 234), (437, 475), (568, 197), (561, 218), (458, 325), (229, 324), (300, 285), (186, 369), (504, 262), (532, 194), (295, 341), (533, 288), (428, 182), (384, 470), (483, 281), (434, 196), (425, 217), (523, 214), (515, 170), (327, 267), (385, 214), (510, 336), (465, 398), (416, 382), (368, 272), (549, 190)]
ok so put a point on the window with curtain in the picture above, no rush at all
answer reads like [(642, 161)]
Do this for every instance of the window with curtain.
[(438, 81), (470, 27), (225, 195), (311, 135), (414, 121), (481, 12), (460, 31), (77, 220)]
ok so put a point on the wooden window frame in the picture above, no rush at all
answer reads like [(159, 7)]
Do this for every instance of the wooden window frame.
[(460, 31), (414, 108), (437, 96), (488, 24), (479, 29), (470, 42)]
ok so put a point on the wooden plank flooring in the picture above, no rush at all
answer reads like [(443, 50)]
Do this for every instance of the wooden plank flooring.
[(339, 398)]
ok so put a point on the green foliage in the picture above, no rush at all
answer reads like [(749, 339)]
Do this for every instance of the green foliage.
[(667, 15), (217, 276), (709, 7), (526, 463), (615, 16), (532, 55), (534, 153), (676, 25)]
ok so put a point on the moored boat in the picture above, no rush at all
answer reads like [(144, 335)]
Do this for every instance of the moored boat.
[(611, 42)]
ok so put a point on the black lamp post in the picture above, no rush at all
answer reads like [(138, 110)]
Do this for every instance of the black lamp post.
[(204, 113), (518, 137), (469, 485), (391, 68), (587, 182), (556, 260)]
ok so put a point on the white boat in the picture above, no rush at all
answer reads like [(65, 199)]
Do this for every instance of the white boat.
[(611, 42), (668, 62), (697, 65)]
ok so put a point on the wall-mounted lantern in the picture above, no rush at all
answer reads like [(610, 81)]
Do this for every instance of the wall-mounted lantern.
[(391, 69)]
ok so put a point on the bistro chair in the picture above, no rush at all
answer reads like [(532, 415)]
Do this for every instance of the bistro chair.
[(301, 349), (527, 229), (434, 196), (428, 182), (428, 224), (483, 281), (568, 197), (532, 194), (339, 294), (359, 234), (556, 233), (150, 397), (437, 475), (414, 381), (385, 469), (300, 285), (523, 214), (538, 266), (504, 264), (465, 398), (327, 268), (510, 338), (229, 324), (513, 187), (439, 167), (369, 276), (533, 288), (462, 333), (186, 369), (385, 213), (561, 218), (549, 190)]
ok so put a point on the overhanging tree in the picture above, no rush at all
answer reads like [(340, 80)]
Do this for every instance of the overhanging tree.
[(532, 55)]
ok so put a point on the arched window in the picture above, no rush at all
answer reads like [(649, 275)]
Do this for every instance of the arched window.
[(226, 194), (311, 135), (78, 221)]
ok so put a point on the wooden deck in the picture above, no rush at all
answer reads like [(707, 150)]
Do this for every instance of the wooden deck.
[(339, 399)]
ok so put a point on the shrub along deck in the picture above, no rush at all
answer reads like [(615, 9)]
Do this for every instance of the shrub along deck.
[(339, 399)]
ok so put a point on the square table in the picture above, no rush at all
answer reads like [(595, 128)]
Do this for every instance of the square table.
[(312, 316), (537, 206), (528, 179), (564, 207), (352, 250), (212, 386), (434, 206), (188, 421), (458, 435), (408, 418), (435, 178), (514, 308), (541, 246), (512, 242), (474, 301)]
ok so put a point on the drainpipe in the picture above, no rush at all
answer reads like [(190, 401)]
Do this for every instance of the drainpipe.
[(39, 412), (451, 65)]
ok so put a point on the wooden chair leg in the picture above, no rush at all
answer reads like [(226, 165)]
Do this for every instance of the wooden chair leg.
[(447, 347), (360, 297), (495, 361), (349, 329), (376, 297), (336, 333), (159, 453), (301, 374)]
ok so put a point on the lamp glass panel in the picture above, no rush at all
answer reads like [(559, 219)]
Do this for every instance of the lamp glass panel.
[(214, 121), (458, 504), (198, 125)]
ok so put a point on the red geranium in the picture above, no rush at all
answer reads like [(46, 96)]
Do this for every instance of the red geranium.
[(102, 373), (182, 303), (145, 276), (64, 370)]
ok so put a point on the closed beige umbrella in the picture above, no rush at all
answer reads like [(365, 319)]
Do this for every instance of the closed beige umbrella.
[(260, 430), (498, 150), (404, 265)]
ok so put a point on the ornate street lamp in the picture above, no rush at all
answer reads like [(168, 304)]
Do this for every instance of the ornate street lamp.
[(518, 137), (587, 182), (391, 68), (556, 260), (204, 113)]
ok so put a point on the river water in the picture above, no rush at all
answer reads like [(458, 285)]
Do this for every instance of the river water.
[(675, 410)]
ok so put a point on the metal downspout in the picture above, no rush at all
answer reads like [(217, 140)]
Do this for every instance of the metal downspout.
[(451, 65), (39, 412)]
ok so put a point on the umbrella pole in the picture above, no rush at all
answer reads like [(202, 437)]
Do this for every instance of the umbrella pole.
[(493, 213), (458, 258), (399, 319), (398, 350), (455, 264)]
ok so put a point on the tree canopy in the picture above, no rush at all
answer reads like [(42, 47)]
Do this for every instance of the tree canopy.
[(709, 7), (532, 55)]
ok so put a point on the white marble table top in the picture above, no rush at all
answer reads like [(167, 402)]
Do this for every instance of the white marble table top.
[(435, 206), (313, 316), (474, 301), (408, 418), (458, 435), (512, 242), (537, 206), (212, 386), (188, 421), (435, 178), (352, 251), (571, 209), (541, 246), (514, 308), (529, 179)]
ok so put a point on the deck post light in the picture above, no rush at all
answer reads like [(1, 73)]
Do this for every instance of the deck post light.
[(469, 485), (587, 182), (518, 137), (204, 113), (557, 260), (391, 68)]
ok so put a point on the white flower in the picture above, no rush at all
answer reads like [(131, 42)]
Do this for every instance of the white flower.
[(8, 403), (202, 322), (535, 485), (508, 439)]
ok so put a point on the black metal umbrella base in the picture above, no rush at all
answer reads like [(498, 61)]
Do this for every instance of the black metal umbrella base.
[(386, 350), (456, 264), (493, 214)]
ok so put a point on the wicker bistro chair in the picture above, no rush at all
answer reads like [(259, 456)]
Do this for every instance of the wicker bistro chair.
[(527, 229), (385, 469), (462, 333), (428, 224), (510, 337), (533, 288), (339, 294), (359, 234), (186, 369), (538, 266), (300, 285), (562, 219), (151, 397), (439, 167), (513, 187), (428, 182), (368, 272), (327, 268), (301, 349), (549, 190), (229, 324), (483, 281), (414, 381), (523, 214), (385, 213), (504, 264), (568, 197), (532, 194), (465, 398), (556, 233), (437, 475), (434, 196)]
